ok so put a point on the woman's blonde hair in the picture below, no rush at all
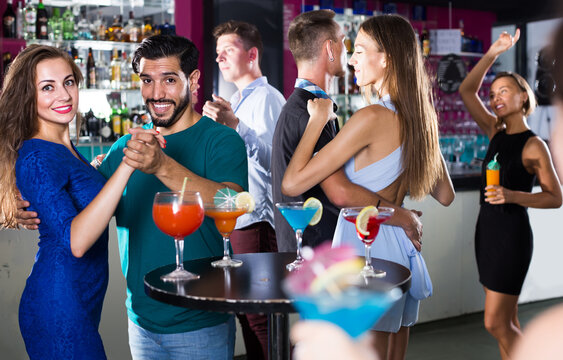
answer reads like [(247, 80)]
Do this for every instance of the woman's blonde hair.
[(18, 118), (410, 90)]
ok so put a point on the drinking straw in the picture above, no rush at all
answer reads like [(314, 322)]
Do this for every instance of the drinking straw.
[(183, 189), (378, 202)]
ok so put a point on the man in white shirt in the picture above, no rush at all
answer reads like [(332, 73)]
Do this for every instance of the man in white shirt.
[(253, 112)]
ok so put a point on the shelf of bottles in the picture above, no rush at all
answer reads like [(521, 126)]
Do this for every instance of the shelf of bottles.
[(101, 41)]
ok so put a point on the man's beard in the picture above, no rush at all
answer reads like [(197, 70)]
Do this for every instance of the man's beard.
[(176, 115)]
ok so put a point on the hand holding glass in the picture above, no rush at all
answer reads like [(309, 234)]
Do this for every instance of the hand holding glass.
[(178, 214)]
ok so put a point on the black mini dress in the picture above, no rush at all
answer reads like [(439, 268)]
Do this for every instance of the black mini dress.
[(503, 236)]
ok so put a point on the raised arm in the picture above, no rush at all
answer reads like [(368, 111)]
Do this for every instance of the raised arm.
[(469, 88)]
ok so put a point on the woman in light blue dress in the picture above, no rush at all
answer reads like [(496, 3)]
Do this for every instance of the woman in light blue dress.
[(390, 147)]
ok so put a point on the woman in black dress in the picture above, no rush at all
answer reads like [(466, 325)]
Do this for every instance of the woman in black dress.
[(503, 237)]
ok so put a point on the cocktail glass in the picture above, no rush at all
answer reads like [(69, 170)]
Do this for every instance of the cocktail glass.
[(178, 214), (225, 219), (374, 222), (298, 218), (355, 309)]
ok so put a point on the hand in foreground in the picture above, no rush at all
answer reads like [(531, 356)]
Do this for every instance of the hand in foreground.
[(220, 110), (498, 195), (321, 110), (325, 341), (409, 220), (26, 219), (504, 42), (143, 151)]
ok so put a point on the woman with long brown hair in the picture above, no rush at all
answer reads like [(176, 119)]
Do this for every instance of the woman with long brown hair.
[(61, 303), (503, 236), (390, 147)]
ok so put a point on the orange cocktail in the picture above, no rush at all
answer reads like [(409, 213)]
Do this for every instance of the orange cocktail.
[(225, 220), (177, 220)]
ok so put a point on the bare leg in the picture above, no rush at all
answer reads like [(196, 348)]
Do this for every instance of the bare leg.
[(398, 343), (499, 315), (381, 343)]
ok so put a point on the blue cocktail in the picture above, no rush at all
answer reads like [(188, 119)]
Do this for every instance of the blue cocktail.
[(355, 310), (298, 216)]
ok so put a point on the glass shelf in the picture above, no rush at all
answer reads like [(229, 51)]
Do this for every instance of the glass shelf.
[(85, 44)]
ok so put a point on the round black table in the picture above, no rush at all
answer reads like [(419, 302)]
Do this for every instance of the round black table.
[(255, 287)]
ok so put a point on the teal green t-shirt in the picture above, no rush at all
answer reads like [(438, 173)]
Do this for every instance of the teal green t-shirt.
[(208, 149)]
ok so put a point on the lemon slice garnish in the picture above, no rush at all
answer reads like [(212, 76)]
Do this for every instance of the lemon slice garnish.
[(314, 203), (363, 219), (245, 200)]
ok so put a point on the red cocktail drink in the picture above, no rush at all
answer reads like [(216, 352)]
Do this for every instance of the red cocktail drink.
[(177, 221)]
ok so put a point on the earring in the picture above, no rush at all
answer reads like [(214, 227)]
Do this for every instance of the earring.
[(251, 63), (331, 59)]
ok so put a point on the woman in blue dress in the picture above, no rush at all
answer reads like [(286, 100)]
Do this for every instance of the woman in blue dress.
[(390, 147), (61, 303)]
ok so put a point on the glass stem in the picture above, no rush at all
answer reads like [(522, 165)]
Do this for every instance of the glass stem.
[(179, 254), (226, 248), (368, 255), (299, 238)]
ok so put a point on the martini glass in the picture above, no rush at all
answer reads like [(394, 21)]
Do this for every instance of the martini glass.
[(350, 214), (356, 308), (225, 220), (178, 214), (298, 218)]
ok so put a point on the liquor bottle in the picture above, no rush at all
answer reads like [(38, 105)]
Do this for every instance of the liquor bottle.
[(55, 26), (125, 72), (147, 28), (115, 31), (105, 130), (41, 22), (20, 20), (425, 43), (83, 28), (68, 24), (78, 61), (102, 73), (90, 70), (100, 27), (126, 122), (30, 20), (129, 33), (116, 120), (116, 69), (93, 124), (9, 23)]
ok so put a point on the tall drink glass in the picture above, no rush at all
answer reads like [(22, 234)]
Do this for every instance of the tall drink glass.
[(178, 215)]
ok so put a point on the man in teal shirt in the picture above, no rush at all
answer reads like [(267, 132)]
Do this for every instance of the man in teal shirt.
[(211, 156)]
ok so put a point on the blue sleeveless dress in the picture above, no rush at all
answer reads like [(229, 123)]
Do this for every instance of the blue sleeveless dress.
[(61, 304), (391, 242)]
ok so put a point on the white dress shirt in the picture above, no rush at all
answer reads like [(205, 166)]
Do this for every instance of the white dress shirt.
[(258, 107)]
